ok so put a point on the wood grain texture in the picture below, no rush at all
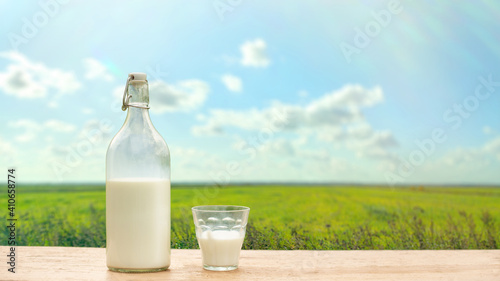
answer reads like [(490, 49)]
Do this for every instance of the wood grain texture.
[(66, 263)]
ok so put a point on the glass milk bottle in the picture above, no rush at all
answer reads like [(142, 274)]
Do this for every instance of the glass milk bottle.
[(137, 188)]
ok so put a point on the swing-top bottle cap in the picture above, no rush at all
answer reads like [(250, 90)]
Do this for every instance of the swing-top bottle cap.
[(138, 76)]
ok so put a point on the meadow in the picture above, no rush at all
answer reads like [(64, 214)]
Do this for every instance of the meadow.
[(283, 217)]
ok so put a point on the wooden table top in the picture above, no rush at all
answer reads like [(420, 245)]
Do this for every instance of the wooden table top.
[(67, 263)]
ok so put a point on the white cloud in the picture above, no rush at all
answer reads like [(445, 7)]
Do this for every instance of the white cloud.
[(232, 83), (296, 148), (358, 131), (350, 96), (7, 152), (229, 60), (471, 158), (374, 145), (335, 119), (185, 96), (94, 69), (97, 131), (78, 158), (285, 159), (254, 53), (250, 120), (457, 165), (303, 94), (281, 147), (195, 164), (487, 130), (463, 158), (329, 111), (207, 130), (53, 104), (5, 146), (59, 126), (87, 111), (118, 92), (492, 147), (364, 141), (31, 128), (26, 79)]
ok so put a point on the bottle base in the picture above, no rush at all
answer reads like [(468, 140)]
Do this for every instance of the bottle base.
[(137, 270)]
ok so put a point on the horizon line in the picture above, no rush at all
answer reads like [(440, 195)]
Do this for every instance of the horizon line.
[(292, 184)]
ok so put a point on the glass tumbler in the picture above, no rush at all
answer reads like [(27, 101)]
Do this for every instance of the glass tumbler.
[(220, 231)]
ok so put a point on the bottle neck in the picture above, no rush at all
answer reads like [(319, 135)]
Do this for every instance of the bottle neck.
[(138, 117), (139, 92)]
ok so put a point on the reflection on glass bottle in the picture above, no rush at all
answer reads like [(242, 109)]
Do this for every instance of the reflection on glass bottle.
[(137, 189)]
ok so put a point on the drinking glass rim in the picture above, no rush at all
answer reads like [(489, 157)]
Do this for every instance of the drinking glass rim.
[(202, 208)]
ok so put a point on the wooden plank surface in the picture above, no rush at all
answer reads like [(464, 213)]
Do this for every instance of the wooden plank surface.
[(66, 263)]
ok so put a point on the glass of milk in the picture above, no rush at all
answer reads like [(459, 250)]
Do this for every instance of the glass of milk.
[(220, 231)]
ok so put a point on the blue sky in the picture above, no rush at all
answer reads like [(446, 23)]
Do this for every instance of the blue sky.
[(386, 92)]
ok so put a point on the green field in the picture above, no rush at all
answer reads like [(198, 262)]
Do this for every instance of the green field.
[(283, 217)]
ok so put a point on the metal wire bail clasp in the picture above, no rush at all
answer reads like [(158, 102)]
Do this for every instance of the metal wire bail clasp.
[(126, 96)]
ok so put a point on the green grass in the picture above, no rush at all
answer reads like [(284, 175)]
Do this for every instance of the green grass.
[(283, 217)]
